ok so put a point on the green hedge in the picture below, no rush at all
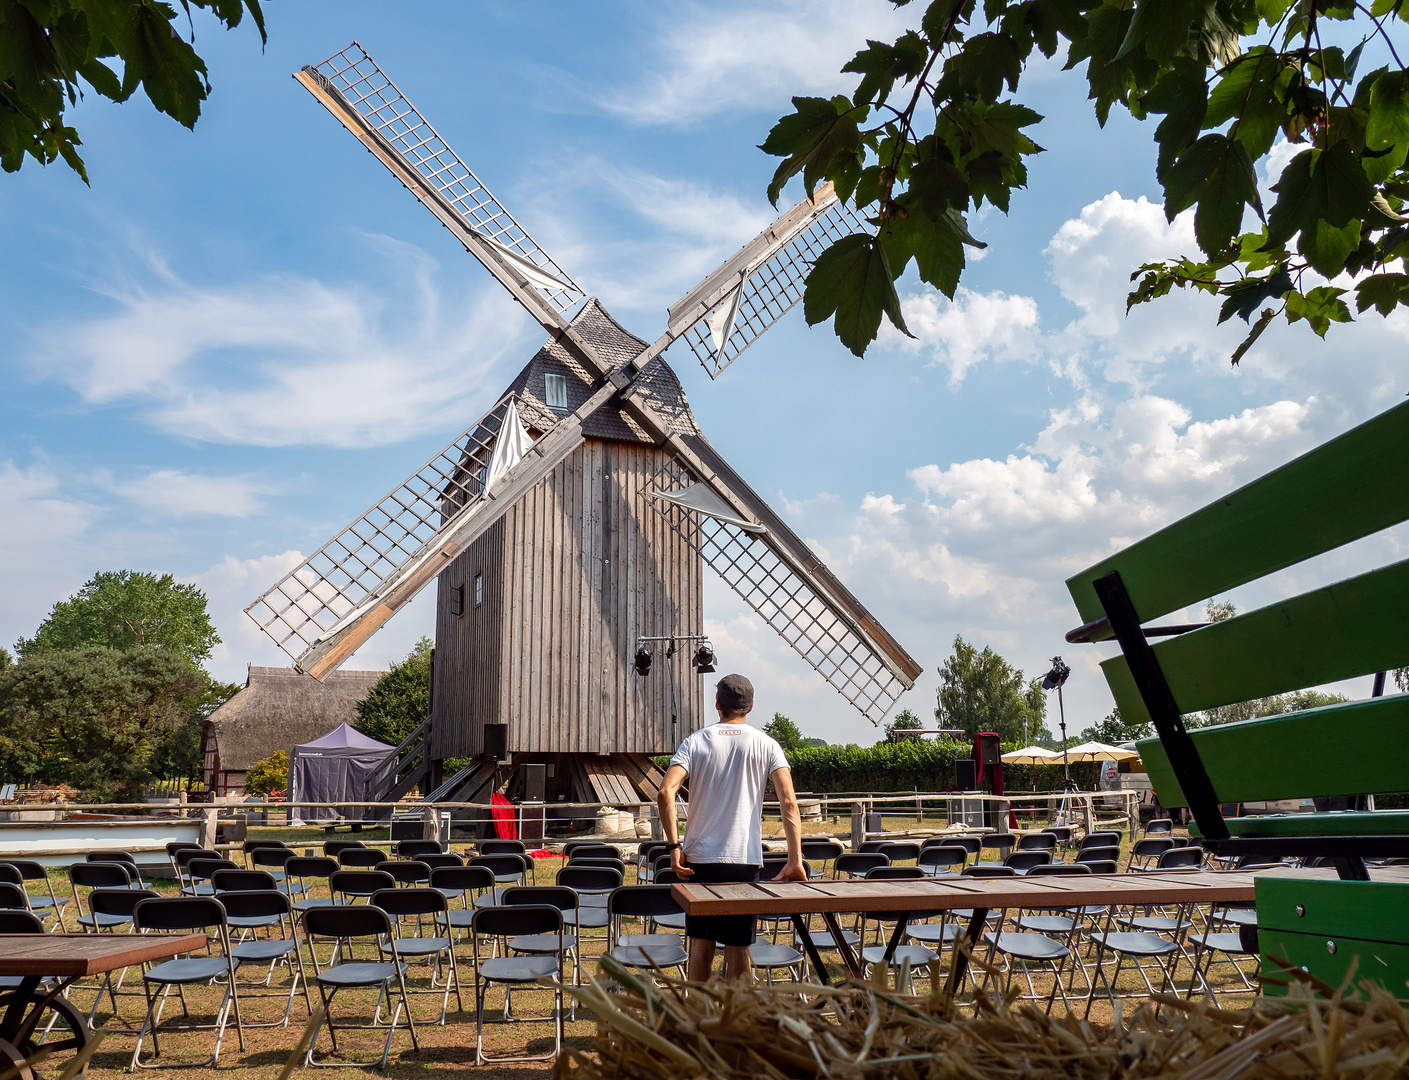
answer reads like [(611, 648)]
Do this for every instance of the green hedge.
[(905, 766)]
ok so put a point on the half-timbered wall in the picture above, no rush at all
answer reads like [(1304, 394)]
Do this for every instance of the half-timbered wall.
[(578, 570)]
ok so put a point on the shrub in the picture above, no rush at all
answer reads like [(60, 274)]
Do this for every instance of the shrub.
[(269, 775)]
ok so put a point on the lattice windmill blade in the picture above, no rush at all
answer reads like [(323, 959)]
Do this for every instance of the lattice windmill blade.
[(356, 91), (725, 313), (775, 573), (340, 595)]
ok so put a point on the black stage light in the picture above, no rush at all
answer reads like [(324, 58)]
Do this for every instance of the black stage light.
[(1057, 676), (704, 658), (643, 661)]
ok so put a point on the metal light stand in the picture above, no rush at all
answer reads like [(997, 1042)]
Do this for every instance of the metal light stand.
[(670, 659), (1054, 680)]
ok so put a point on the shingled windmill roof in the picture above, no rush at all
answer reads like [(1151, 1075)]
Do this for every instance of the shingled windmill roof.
[(660, 386)]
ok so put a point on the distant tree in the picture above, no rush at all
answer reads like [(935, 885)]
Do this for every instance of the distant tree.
[(128, 609), (6, 660), (1114, 730), (51, 52), (980, 691), (784, 731), (897, 730), (400, 700), (814, 742), (269, 775), (93, 716), (1217, 612)]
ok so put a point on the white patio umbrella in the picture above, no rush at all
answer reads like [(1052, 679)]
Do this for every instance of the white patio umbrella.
[(1030, 755), (1099, 751)]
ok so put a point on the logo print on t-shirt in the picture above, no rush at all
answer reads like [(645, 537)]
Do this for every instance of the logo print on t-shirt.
[(729, 731)]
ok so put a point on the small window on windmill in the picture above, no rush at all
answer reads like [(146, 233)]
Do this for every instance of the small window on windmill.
[(555, 391), (479, 589), (457, 602)]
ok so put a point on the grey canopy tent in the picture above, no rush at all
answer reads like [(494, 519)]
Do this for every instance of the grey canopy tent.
[(333, 768)]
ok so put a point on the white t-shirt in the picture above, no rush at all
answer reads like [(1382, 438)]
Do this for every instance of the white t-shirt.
[(728, 765)]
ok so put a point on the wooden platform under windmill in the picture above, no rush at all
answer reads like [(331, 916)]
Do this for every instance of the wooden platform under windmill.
[(574, 520)]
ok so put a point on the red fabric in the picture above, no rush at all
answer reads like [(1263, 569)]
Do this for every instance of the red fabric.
[(994, 771), (544, 853), (505, 827)]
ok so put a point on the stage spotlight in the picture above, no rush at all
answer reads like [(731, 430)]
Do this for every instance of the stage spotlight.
[(1057, 676), (643, 660), (704, 658)]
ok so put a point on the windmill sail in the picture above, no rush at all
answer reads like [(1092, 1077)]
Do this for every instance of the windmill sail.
[(355, 90), (725, 313), (340, 595)]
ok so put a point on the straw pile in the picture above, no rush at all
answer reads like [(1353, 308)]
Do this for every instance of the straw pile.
[(670, 1029)]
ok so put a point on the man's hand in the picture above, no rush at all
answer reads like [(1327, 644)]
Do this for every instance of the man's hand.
[(793, 871), (677, 863)]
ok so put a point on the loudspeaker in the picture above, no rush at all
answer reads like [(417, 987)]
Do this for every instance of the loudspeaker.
[(535, 782), (987, 746), (965, 774), (496, 742)]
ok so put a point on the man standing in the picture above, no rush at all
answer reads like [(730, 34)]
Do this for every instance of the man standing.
[(728, 764)]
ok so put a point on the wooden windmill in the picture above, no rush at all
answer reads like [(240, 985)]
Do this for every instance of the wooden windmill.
[(576, 516)]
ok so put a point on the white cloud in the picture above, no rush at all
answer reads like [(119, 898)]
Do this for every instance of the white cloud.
[(174, 493), (679, 229), (710, 59), (285, 360), (972, 328)]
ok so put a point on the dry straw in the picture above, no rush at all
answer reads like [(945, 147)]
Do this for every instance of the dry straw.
[(666, 1029)]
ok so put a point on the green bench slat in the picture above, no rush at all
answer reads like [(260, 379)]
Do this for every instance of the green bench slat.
[(1338, 823), (1348, 749), (1354, 627), (1347, 488)]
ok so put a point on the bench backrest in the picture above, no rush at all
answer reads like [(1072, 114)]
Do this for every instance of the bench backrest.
[(1346, 489)]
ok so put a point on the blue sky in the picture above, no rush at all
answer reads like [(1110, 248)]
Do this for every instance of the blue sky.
[(240, 337)]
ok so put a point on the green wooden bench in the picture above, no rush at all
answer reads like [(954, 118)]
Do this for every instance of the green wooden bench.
[(1347, 489)]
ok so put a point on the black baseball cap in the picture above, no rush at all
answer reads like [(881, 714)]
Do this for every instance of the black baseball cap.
[(734, 694)]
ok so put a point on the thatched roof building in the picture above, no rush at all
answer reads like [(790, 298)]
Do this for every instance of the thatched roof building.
[(278, 709)]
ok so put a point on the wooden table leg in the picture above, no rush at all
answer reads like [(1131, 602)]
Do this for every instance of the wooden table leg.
[(849, 958), (960, 964), (805, 935)]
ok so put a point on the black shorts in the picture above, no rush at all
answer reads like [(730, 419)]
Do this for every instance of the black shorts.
[(724, 929)]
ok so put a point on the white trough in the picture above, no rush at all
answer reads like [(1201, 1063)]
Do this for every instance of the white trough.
[(62, 843)]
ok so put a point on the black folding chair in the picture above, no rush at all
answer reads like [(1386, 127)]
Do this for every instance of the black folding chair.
[(421, 904), (360, 858), (942, 859), (1027, 858), (406, 872), (414, 849), (43, 906), (271, 860), (181, 859), (566, 901), (108, 910), (94, 876), (345, 924), (592, 850), (461, 883), (823, 852), (271, 910), (1145, 852), (508, 869), (186, 913), (333, 848), (200, 871), (858, 863), (354, 885), (593, 884), (510, 971), (646, 950), (445, 858)]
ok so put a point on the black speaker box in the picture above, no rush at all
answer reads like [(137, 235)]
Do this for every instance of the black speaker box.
[(496, 742), (965, 774)]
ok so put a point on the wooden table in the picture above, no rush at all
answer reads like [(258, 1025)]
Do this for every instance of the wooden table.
[(66, 957), (829, 898)]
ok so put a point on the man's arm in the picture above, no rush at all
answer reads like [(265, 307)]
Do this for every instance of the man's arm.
[(792, 825), (665, 803)]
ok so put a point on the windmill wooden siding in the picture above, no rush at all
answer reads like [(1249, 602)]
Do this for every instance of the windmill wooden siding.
[(574, 574)]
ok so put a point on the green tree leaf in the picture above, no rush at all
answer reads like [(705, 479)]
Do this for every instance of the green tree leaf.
[(1217, 176), (852, 281), (1384, 292), (818, 130), (1319, 307)]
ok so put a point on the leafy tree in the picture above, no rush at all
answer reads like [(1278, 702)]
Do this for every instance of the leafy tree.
[(1115, 729), (980, 691), (126, 610), (1226, 78), (93, 716), (6, 660), (269, 775), (904, 721), (813, 742), (784, 731), (400, 700), (52, 50)]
